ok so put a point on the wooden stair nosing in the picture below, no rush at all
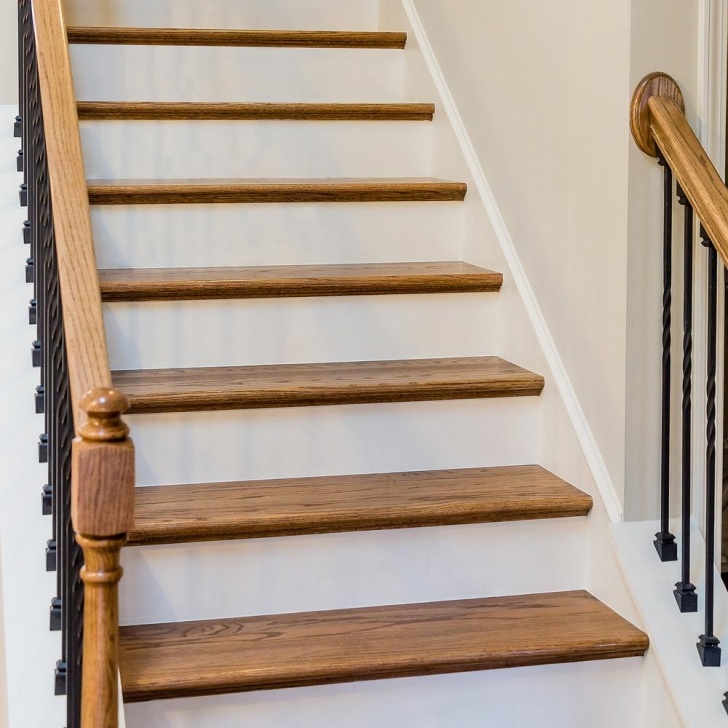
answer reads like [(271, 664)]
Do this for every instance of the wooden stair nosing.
[(153, 111), (214, 657), (334, 504), (155, 284), (113, 35), (307, 385), (225, 191)]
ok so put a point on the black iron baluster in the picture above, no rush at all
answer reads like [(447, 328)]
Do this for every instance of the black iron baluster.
[(66, 613), (22, 121), (664, 540), (685, 594), (25, 54), (18, 124), (708, 646)]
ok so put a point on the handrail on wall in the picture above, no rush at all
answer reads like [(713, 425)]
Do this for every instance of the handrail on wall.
[(659, 125), (660, 129), (92, 480)]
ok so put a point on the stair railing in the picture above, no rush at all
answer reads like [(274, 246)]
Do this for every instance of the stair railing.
[(661, 130), (90, 490)]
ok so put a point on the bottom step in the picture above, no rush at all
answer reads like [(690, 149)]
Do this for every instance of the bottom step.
[(317, 648)]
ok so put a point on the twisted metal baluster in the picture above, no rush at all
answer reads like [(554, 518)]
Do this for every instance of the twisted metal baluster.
[(708, 646), (685, 594), (665, 540)]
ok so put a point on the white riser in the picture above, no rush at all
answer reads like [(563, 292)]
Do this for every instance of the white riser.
[(192, 149), (276, 234), (309, 441), (274, 14), (348, 570), (149, 73), (295, 330), (594, 694)]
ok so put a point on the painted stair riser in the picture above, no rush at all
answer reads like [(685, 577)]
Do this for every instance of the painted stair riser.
[(282, 14), (570, 696), (295, 330), (276, 234), (270, 149), (307, 75), (347, 570), (336, 440)]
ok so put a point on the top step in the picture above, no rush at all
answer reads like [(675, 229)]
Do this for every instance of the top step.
[(238, 38)]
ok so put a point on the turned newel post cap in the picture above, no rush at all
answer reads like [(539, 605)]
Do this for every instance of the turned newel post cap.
[(103, 408), (640, 117), (102, 471)]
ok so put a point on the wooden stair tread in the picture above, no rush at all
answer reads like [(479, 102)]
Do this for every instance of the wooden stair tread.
[(316, 648), (120, 110), (300, 385), (296, 506), (232, 37), (154, 192), (149, 284)]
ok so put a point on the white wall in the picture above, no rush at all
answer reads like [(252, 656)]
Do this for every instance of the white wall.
[(3, 670), (578, 200), (8, 51)]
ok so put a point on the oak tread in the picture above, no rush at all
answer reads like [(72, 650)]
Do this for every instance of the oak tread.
[(260, 190), (249, 38), (301, 385), (297, 506), (316, 648), (153, 284), (150, 111)]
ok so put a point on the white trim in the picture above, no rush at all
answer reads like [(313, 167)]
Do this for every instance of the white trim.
[(696, 691), (712, 58), (711, 127), (576, 414)]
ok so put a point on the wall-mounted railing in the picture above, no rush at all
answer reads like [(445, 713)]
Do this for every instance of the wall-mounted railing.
[(660, 129), (90, 479)]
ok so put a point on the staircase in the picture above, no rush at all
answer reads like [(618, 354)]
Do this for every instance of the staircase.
[(339, 476)]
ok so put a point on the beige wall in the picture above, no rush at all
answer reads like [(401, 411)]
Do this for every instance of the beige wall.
[(544, 90), (8, 51), (664, 37)]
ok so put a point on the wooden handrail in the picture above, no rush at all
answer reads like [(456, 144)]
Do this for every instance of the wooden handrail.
[(103, 513), (658, 123), (102, 471), (83, 324)]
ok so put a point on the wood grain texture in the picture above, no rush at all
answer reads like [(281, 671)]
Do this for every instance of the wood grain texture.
[(317, 648), (206, 191), (264, 509), (640, 117), (304, 385), (88, 362), (102, 469), (101, 575), (250, 38), (171, 111), (151, 284), (692, 169)]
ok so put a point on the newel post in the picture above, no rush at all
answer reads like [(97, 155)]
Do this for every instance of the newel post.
[(103, 513)]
